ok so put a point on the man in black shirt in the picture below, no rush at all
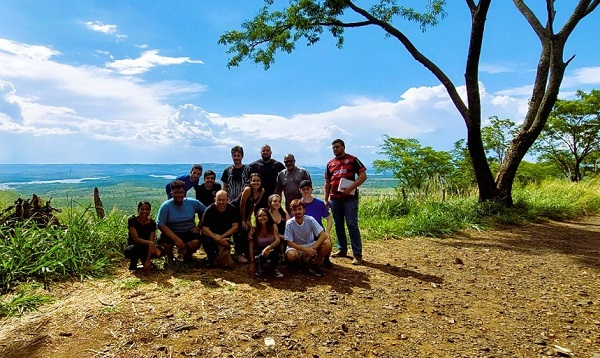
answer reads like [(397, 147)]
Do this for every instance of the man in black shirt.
[(268, 169), (206, 191)]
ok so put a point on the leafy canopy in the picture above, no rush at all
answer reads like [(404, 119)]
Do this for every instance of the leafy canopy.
[(411, 163), (278, 30), (572, 133)]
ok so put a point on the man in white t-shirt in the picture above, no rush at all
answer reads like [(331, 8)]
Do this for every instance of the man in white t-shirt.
[(300, 234)]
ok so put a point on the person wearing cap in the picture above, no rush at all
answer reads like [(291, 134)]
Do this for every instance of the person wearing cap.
[(289, 179), (191, 180), (343, 175), (306, 240), (318, 210)]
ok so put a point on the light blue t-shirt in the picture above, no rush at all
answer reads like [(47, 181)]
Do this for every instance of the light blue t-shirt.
[(302, 234), (179, 218)]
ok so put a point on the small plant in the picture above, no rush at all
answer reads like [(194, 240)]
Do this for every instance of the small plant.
[(23, 300), (132, 284)]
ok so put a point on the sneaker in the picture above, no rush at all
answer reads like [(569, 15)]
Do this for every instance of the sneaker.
[(316, 270), (339, 253), (241, 259), (357, 260), (328, 264), (278, 273)]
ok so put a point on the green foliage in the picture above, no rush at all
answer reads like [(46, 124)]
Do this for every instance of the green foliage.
[(273, 30), (84, 247), (497, 136), (461, 181), (397, 217), (572, 133), (412, 164), (535, 173), (23, 300)]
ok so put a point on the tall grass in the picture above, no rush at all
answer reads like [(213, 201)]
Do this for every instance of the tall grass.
[(419, 215), (83, 247)]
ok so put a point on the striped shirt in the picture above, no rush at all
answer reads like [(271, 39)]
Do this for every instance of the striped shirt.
[(347, 166)]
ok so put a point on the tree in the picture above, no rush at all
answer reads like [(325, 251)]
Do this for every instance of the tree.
[(274, 29), (412, 164), (497, 137), (572, 133)]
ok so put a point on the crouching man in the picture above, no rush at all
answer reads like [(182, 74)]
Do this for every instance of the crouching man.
[(220, 223), (306, 240)]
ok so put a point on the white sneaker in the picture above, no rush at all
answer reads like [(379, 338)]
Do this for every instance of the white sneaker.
[(278, 274)]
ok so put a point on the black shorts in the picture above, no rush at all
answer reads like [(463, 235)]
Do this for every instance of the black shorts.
[(186, 237)]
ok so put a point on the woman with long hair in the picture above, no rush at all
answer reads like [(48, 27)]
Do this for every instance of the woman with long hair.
[(280, 217), (264, 243), (247, 202)]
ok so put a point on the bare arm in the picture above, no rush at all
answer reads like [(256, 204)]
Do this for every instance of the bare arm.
[(138, 240), (320, 239), (245, 194), (329, 225), (361, 179), (220, 237)]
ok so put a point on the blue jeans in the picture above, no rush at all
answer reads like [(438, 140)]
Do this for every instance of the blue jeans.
[(347, 210)]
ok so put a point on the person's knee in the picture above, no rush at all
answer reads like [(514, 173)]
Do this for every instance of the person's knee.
[(325, 247), (193, 245), (291, 255)]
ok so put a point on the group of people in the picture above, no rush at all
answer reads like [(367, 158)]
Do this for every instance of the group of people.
[(221, 216)]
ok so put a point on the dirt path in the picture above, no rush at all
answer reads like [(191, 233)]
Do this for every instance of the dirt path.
[(532, 291)]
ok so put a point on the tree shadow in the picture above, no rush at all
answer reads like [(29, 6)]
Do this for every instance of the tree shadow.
[(402, 272), (579, 240)]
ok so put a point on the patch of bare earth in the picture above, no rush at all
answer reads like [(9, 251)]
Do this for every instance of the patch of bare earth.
[(530, 291)]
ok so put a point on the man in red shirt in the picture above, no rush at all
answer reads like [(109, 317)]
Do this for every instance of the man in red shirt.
[(343, 175)]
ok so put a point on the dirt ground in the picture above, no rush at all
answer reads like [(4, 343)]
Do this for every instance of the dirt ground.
[(531, 291)]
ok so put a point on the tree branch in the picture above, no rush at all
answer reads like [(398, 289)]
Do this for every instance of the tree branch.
[(531, 18), (417, 55)]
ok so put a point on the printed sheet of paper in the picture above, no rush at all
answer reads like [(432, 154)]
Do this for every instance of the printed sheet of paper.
[(345, 183)]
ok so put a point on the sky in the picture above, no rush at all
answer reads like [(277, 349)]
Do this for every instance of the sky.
[(123, 81)]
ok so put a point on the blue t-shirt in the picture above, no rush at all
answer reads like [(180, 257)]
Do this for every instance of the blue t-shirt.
[(317, 209), (188, 184), (302, 234), (179, 218)]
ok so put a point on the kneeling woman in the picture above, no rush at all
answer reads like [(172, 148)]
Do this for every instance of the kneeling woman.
[(264, 242), (140, 241), (177, 222)]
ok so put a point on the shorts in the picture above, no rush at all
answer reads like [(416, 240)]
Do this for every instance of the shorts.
[(300, 252), (186, 237)]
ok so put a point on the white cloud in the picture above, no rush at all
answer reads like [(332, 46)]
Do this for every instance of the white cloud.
[(582, 76), (114, 118), (99, 26), (38, 53), (147, 61), (571, 81)]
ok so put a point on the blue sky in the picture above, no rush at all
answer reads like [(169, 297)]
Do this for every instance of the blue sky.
[(120, 81)]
